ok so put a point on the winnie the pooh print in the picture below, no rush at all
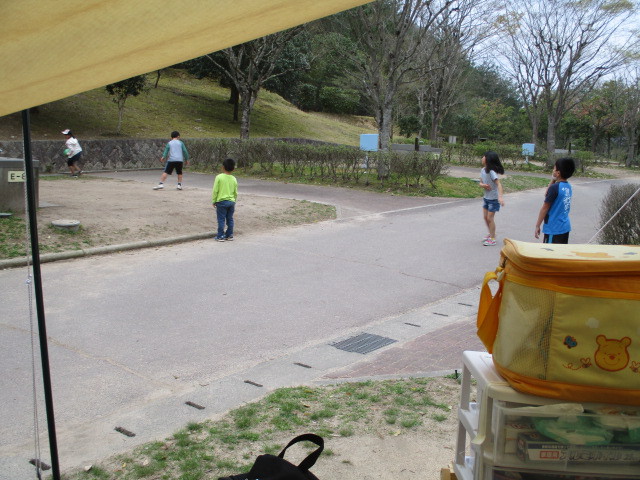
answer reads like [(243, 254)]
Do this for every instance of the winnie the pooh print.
[(612, 354)]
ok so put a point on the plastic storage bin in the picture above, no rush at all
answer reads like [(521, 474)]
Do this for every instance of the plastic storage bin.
[(492, 430)]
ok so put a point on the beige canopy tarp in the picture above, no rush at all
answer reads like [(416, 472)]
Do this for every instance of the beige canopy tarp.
[(53, 49)]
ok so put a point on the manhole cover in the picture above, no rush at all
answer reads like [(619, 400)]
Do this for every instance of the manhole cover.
[(66, 224), (363, 343)]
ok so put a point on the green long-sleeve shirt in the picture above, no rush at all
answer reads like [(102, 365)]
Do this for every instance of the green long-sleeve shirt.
[(225, 187)]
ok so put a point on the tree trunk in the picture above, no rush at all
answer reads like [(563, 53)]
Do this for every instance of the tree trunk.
[(247, 99), (234, 99), (120, 115), (535, 128), (245, 123), (421, 115), (433, 133), (385, 128), (551, 141), (384, 135), (631, 151)]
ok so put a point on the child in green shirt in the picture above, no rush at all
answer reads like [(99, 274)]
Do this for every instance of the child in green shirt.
[(225, 193)]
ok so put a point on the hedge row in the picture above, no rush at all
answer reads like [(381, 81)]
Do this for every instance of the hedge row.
[(326, 162)]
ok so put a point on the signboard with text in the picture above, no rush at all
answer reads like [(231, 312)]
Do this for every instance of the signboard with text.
[(16, 176)]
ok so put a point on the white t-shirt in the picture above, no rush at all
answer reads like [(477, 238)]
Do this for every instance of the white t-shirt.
[(74, 146), (490, 179)]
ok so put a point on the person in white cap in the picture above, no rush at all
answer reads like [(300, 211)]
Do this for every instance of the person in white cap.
[(73, 151)]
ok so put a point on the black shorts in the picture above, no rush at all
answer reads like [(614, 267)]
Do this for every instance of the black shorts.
[(74, 159), (562, 238), (173, 165)]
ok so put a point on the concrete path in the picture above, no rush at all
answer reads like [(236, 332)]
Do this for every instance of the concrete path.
[(134, 335)]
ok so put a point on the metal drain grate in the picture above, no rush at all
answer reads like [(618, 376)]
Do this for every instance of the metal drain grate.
[(363, 343)]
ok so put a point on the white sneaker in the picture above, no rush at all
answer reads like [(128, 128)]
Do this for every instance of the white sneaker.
[(179, 187), (160, 186)]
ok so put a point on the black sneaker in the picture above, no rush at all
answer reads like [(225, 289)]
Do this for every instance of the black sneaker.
[(229, 238)]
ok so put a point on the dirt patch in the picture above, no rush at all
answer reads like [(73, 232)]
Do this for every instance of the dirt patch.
[(119, 211)]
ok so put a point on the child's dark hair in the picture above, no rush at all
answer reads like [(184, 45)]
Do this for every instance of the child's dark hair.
[(175, 134), (566, 166), (493, 162), (229, 164)]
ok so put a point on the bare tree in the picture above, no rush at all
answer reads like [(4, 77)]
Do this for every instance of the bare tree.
[(251, 64), (524, 66), (629, 112), (599, 111), (389, 34), (560, 49), (447, 54)]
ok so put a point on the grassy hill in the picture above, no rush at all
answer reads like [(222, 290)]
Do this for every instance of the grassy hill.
[(196, 108)]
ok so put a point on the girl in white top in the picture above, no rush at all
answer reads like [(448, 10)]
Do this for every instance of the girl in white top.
[(492, 200), (73, 151)]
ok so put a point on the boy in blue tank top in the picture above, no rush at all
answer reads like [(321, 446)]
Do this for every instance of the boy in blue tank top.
[(557, 204)]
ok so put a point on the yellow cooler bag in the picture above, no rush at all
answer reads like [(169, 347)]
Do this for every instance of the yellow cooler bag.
[(564, 321)]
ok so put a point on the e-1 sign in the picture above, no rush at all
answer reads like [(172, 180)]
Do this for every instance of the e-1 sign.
[(16, 176)]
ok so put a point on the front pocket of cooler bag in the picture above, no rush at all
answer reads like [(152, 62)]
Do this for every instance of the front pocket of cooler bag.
[(522, 341), (595, 340)]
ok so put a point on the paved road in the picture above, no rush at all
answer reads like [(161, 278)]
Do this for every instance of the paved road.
[(134, 335)]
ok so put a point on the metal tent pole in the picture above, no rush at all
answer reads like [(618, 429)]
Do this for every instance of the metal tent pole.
[(42, 330)]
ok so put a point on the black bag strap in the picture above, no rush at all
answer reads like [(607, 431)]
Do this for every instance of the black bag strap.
[(310, 461)]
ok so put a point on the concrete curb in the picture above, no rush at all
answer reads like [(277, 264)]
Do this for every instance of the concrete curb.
[(53, 257)]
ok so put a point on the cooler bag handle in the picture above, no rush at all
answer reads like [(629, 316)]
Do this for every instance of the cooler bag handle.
[(488, 309)]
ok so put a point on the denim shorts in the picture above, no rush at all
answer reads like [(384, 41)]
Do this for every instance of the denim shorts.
[(491, 205)]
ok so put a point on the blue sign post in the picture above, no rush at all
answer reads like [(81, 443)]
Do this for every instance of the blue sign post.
[(528, 150), (369, 142)]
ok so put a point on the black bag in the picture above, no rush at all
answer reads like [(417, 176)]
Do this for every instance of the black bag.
[(270, 467)]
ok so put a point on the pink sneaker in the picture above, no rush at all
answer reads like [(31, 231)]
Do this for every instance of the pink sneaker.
[(489, 242)]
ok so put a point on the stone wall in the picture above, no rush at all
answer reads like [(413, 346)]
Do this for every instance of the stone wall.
[(109, 154), (97, 154)]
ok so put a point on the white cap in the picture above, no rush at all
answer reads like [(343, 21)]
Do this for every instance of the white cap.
[(66, 132)]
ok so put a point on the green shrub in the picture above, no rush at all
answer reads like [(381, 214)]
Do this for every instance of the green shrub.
[(624, 228), (306, 97), (414, 166), (339, 100), (408, 125), (583, 160), (208, 154)]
